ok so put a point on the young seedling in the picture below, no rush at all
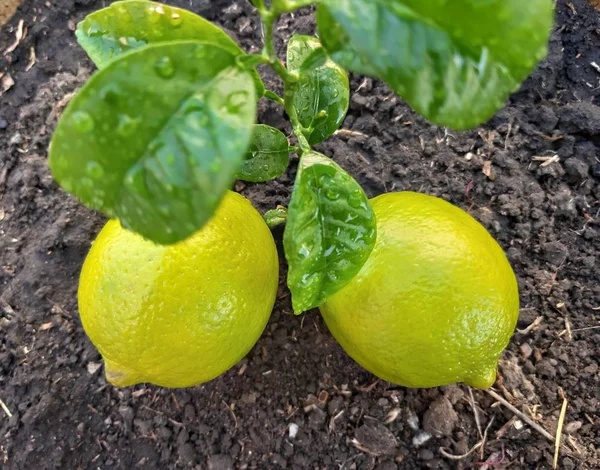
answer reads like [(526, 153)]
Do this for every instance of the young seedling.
[(162, 130)]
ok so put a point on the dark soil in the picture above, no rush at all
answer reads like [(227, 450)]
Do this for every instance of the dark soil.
[(545, 213)]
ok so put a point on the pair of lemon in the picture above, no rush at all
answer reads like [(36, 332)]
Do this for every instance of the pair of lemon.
[(436, 302)]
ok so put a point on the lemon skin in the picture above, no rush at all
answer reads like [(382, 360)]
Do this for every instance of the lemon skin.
[(182, 314), (436, 302)]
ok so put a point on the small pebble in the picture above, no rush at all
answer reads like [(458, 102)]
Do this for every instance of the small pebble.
[(293, 430), (421, 438), (573, 426), (526, 350), (413, 420), (16, 139), (92, 367)]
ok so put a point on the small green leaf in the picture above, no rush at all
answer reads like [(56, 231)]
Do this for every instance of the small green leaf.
[(267, 157), (275, 217), (455, 62), (126, 25), (157, 137), (322, 95), (329, 234)]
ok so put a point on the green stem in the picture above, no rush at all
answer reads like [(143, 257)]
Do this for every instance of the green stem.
[(290, 79), (270, 95)]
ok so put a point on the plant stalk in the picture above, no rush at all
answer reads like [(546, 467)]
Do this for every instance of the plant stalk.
[(290, 79)]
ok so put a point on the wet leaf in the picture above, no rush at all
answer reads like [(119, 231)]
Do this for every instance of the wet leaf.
[(267, 157), (157, 137), (127, 25), (322, 95), (329, 234), (454, 62)]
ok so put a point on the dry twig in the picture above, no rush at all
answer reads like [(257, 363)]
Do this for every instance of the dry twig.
[(5, 408), (561, 420), (521, 415)]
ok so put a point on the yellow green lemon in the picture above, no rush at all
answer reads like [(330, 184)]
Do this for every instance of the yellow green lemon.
[(182, 314), (436, 302)]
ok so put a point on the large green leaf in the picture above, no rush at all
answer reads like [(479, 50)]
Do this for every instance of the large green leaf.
[(267, 157), (127, 25), (322, 95), (157, 137), (455, 62), (329, 234)]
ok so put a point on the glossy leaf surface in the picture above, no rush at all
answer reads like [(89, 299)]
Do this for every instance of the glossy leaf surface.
[(454, 62), (322, 95), (157, 137), (126, 25), (267, 157), (329, 234)]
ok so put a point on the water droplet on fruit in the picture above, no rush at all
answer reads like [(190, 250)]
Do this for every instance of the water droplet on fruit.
[(95, 170), (163, 209), (164, 67), (83, 122)]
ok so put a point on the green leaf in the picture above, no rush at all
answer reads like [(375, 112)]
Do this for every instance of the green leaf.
[(322, 95), (275, 217), (127, 25), (286, 6), (267, 157), (157, 137), (455, 62), (329, 234)]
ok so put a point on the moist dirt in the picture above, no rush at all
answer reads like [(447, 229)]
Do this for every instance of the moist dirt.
[(531, 175)]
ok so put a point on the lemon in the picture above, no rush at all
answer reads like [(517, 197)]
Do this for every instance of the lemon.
[(182, 314), (435, 303)]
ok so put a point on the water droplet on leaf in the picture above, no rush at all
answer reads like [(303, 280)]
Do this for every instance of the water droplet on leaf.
[(95, 170), (176, 20), (164, 67), (127, 125), (82, 121), (134, 180), (332, 193), (304, 251), (355, 200)]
